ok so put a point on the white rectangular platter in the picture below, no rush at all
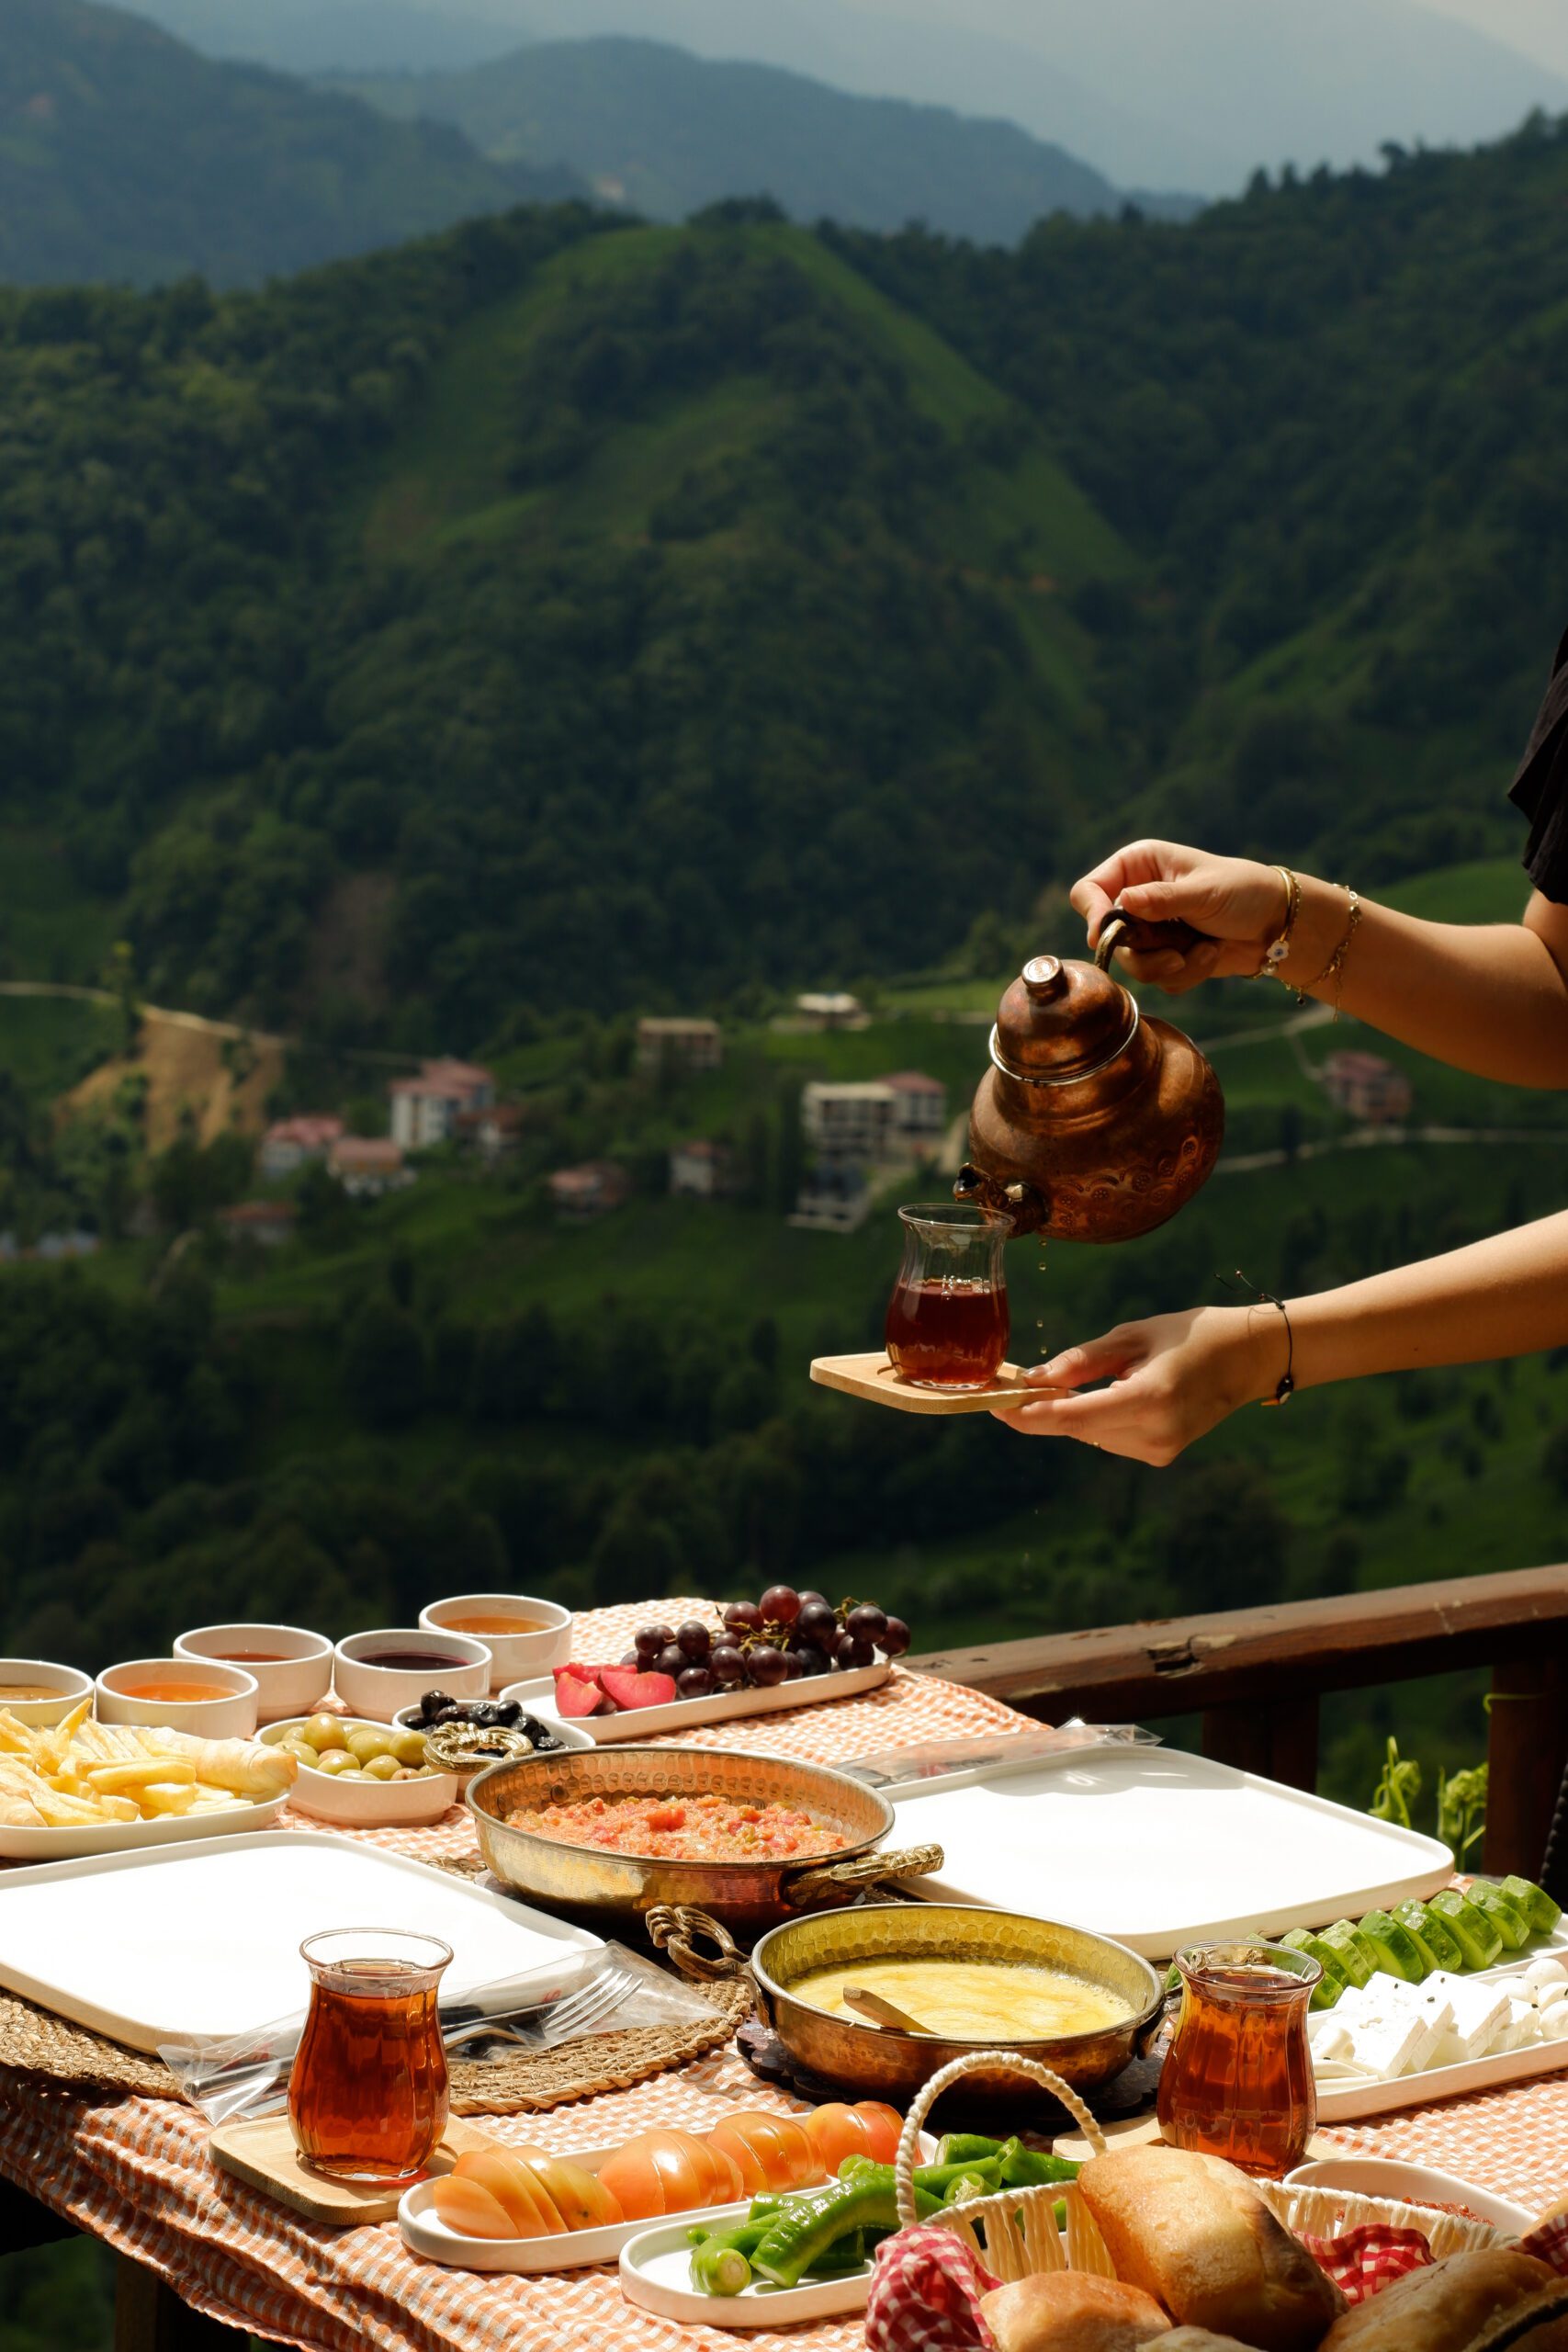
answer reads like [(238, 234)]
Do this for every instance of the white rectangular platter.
[(85, 1839), (424, 2231), (723, 1707), (204, 1939), (656, 2274), (1342, 2102), (1159, 1849)]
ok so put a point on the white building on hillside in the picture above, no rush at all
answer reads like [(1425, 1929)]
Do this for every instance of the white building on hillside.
[(849, 1121), (920, 1110), (426, 1109)]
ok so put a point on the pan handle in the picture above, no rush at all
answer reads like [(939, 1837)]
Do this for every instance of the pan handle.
[(675, 1928), (860, 1877)]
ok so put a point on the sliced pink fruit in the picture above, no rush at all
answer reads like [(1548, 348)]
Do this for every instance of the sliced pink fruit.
[(575, 1696), (631, 1687), (574, 1672)]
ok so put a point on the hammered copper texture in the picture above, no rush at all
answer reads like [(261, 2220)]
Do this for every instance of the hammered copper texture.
[(747, 1895), (874, 2063)]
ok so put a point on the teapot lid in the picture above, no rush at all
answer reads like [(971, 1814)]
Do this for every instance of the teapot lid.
[(1060, 1020)]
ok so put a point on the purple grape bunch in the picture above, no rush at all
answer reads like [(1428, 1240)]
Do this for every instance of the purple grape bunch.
[(784, 1636)]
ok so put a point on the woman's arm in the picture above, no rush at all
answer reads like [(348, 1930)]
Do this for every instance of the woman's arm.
[(1176, 1376), (1492, 999)]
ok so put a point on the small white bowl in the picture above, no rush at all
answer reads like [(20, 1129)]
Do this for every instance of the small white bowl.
[(68, 1681), (518, 1657), (1404, 2184), (232, 1717), (295, 1671), (378, 1691), (365, 1805)]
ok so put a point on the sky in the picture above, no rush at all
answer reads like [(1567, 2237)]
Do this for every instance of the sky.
[(1538, 27)]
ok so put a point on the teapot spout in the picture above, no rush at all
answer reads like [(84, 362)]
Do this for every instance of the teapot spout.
[(1028, 1210)]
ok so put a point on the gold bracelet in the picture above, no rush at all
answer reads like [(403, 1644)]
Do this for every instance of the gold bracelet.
[(1275, 955), (1335, 968)]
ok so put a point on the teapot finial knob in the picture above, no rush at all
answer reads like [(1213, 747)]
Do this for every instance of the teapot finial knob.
[(1043, 977)]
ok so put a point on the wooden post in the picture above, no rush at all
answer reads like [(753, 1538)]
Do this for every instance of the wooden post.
[(150, 2317), (1278, 1741), (1526, 1752)]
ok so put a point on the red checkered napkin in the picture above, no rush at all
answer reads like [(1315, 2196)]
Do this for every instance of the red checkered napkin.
[(1362, 2262), (1548, 2244), (925, 2295)]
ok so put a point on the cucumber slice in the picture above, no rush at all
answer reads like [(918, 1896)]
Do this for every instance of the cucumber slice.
[(1436, 1934), (1413, 1919), (1477, 1937), (1543, 1911), (1512, 1924), (1395, 1951), (1334, 1979), (1356, 1956)]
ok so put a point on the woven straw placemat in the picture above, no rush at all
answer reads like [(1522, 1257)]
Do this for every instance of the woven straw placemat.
[(34, 2041)]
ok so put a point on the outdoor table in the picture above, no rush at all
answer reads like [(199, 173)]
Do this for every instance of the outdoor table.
[(135, 2170)]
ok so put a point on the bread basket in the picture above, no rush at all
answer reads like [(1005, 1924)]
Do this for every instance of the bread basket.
[(1015, 2232)]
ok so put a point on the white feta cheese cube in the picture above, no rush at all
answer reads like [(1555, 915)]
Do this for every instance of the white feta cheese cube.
[(1450, 2050), (1481, 2012), (1389, 2047), (1332, 2041)]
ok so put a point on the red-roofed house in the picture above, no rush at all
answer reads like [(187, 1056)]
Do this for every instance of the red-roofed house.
[(700, 1171), (368, 1166), (1367, 1087), (268, 1222), (589, 1189), (290, 1143), (426, 1109), (920, 1108)]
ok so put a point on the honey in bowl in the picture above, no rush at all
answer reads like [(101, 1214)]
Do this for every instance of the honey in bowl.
[(971, 2000), (516, 1622), (12, 1692), (252, 1657), (172, 1694)]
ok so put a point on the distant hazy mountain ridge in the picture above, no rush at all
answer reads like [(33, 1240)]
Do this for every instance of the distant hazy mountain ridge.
[(124, 155), (651, 127)]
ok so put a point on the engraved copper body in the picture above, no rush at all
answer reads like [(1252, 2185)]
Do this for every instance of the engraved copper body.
[(1095, 1122), (870, 2061)]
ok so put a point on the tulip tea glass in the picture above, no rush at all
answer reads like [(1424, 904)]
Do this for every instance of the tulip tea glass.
[(1237, 2080), (947, 1320), (368, 2092)]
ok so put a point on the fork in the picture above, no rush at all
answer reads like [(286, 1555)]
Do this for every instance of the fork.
[(570, 2014)]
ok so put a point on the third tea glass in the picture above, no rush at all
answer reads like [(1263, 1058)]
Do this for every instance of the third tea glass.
[(947, 1320), (367, 2091), (1237, 2081)]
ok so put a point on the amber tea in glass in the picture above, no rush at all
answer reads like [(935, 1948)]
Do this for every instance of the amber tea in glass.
[(947, 1320), (368, 2092), (1237, 2081)]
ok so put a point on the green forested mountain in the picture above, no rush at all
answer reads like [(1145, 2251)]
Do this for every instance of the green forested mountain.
[(610, 609), (126, 157), (655, 128)]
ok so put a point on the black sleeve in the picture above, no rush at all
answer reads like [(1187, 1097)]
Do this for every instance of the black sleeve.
[(1541, 788)]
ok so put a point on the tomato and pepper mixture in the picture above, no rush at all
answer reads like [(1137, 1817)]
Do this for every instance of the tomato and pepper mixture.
[(684, 1829)]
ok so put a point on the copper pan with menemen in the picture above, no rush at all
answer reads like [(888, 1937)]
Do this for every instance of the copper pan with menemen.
[(565, 1832)]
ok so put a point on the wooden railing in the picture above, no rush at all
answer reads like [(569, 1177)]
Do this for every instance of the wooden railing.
[(1256, 1678)]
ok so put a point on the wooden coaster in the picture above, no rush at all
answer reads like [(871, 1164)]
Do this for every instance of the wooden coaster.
[(874, 1378), (262, 2153)]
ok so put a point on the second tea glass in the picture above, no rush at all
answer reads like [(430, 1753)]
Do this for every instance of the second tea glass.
[(1237, 2081), (368, 2092), (947, 1320)]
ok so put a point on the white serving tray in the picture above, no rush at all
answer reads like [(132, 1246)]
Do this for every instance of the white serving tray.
[(723, 1707), (1404, 2184), (87, 1839), (204, 1939), (425, 2233), (1157, 1848), (1342, 2102), (656, 2274)]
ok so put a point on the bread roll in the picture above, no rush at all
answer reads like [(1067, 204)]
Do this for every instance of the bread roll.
[(1195, 2232), (1196, 2339), (1444, 2306), (1071, 2311)]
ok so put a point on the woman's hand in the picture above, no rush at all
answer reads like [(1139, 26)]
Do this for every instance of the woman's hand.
[(1238, 906), (1172, 1379)]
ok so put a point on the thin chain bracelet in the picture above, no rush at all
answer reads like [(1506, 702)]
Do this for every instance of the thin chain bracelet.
[(1335, 968)]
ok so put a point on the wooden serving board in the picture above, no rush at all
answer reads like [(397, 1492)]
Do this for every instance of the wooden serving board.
[(873, 1377), (260, 2152)]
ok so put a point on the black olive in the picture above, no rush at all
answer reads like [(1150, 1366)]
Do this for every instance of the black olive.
[(451, 1714), (433, 1701), (508, 1710)]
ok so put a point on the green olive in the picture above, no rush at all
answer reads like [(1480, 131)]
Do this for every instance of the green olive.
[(408, 1747), (364, 1742), (381, 1767), (352, 1773), (323, 1731), (334, 1760), (302, 1749)]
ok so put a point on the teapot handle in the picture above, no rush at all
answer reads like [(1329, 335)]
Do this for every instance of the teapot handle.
[(1120, 926), (1116, 927)]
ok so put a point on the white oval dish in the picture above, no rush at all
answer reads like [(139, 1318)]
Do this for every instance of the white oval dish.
[(289, 1684), (40, 1715), (233, 1717), (656, 2275), (720, 1707), (364, 1805), (85, 1839), (514, 1655), (378, 1691), (1408, 2185)]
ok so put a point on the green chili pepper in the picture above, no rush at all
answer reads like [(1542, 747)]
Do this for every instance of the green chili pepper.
[(1026, 2168), (720, 2268), (967, 2186), (965, 2147), (818, 2218)]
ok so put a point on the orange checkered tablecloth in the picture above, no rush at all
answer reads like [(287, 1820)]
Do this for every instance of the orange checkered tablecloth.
[(136, 2172)]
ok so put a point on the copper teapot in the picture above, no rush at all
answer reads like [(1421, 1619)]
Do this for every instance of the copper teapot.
[(1095, 1122)]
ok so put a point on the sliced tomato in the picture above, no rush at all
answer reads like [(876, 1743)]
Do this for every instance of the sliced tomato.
[(837, 2132), (508, 2180), (581, 2200), (774, 2152), (469, 2208), (634, 2181), (885, 2125)]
